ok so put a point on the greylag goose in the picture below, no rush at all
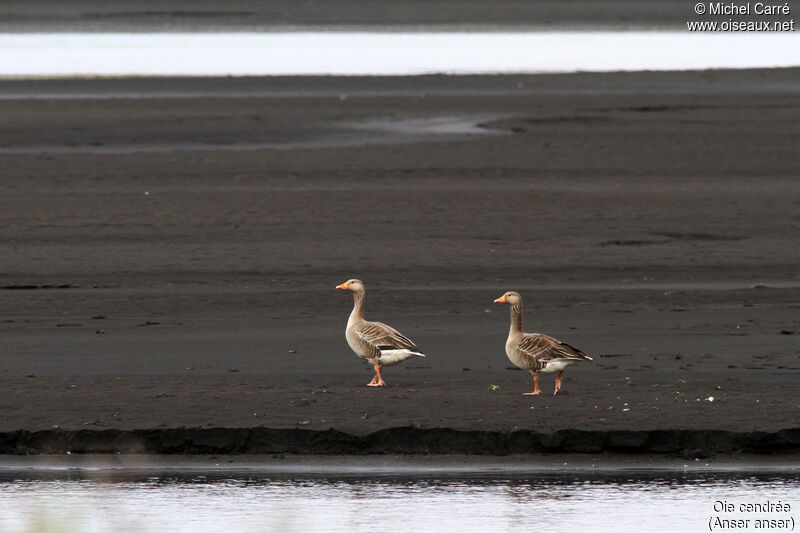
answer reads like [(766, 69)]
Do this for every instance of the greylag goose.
[(378, 343), (535, 352)]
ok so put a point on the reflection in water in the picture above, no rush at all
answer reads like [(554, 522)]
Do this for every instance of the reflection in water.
[(119, 502)]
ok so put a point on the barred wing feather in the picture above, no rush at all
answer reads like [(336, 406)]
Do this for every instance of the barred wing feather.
[(543, 348), (384, 337)]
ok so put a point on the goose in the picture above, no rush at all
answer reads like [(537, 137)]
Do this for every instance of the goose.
[(535, 352), (376, 342)]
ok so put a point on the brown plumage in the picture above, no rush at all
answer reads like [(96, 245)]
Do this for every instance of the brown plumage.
[(535, 352), (376, 342)]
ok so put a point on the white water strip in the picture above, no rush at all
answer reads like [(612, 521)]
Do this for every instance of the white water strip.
[(500, 503), (386, 53)]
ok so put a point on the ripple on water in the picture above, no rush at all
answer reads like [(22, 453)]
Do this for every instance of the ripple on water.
[(200, 503)]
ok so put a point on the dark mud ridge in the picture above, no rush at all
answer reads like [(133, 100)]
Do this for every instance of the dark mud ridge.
[(401, 440)]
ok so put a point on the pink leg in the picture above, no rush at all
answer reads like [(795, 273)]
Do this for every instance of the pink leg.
[(536, 389), (558, 382), (377, 381)]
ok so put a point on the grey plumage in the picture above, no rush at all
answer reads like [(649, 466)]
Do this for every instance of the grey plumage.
[(536, 352), (377, 336), (378, 343), (541, 349)]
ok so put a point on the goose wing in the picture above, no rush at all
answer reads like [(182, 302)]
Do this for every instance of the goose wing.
[(381, 336), (543, 348)]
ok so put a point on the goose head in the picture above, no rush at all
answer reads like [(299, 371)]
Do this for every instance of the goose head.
[(510, 298), (352, 285)]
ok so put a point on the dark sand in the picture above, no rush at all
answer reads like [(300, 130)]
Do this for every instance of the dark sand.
[(251, 15), (170, 249)]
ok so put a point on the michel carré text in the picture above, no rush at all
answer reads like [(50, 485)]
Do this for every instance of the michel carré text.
[(758, 8)]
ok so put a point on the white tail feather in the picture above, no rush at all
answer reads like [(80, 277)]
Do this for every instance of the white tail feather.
[(392, 357)]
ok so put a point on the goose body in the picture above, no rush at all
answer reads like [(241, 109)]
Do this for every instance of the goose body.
[(381, 345), (535, 352)]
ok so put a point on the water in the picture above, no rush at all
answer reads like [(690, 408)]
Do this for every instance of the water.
[(245, 502), (387, 53)]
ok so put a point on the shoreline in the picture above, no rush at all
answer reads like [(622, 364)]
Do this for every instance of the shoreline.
[(686, 444), (388, 465)]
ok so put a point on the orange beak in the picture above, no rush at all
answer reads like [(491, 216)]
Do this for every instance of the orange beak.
[(343, 286), (501, 300)]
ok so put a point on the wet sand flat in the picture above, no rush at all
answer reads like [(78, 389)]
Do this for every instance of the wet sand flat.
[(170, 248), (245, 15)]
